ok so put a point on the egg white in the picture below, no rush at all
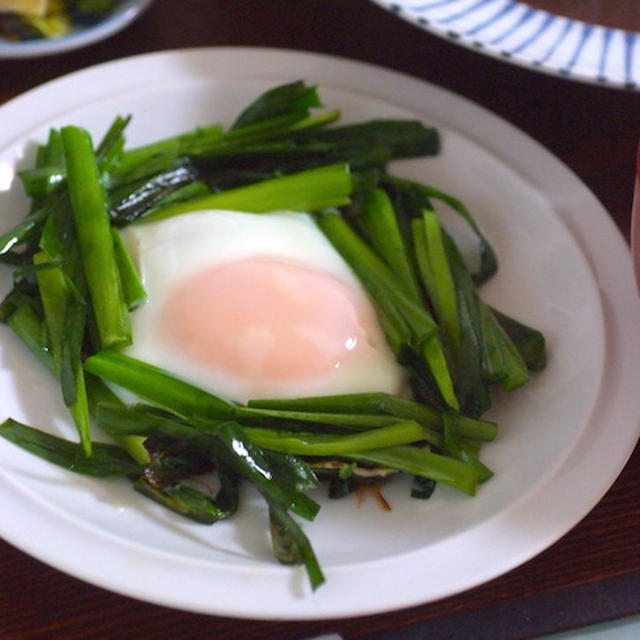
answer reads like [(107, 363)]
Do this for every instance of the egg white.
[(170, 252)]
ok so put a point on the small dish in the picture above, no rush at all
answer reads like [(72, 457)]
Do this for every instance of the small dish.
[(124, 13), (524, 35)]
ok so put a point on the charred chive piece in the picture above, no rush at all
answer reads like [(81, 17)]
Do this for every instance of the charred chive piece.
[(227, 440), (422, 488), (424, 463), (172, 466), (186, 192), (94, 239), (228, 496), (286, 155), (421, 382), (156, 385), (174, 460), (291, 545), (291, 470), (123, 180), (117, 419), (310, 190), (343, 477), (380, 403), (280, 480), (184, 500), (340, 487), (131, 201), (13, 258), (402, 138), (369, 145), (231, 169), (182, 193), (106, 460), (239, 452)]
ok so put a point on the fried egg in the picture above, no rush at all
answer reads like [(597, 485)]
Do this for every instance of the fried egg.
[(255, 305)]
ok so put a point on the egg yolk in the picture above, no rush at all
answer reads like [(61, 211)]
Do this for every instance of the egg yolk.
[(263, 319)]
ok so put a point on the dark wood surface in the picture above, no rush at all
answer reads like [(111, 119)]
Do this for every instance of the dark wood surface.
[(593, 573)]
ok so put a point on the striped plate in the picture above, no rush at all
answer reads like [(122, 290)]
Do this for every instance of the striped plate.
[(531, 37)]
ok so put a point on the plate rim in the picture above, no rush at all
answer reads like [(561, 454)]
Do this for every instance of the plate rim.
[(340, 69)]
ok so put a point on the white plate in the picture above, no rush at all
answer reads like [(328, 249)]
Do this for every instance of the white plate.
[(564, 439), (125, 13), (524, 35)]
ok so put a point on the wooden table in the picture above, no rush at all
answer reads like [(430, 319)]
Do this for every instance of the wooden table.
[(590, 575)]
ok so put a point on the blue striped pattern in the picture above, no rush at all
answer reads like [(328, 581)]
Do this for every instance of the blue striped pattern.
[(529, 36)]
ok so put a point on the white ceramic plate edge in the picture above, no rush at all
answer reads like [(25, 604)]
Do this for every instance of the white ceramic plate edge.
[(613, 274)]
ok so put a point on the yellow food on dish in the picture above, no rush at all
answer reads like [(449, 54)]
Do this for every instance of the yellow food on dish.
[(24, 20), (37, 8)]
